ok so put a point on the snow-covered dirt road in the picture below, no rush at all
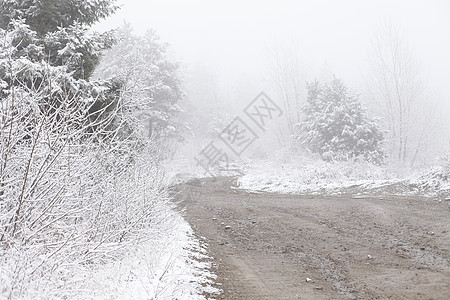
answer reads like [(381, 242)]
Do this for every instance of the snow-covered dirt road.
[(271, 246)]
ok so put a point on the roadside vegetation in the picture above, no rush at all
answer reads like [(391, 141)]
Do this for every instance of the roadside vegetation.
[(85, 127)]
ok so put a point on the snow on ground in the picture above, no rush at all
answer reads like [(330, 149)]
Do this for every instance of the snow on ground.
[(307, 175), (434, 182), (184, 168), (171, 264), (310, 176)]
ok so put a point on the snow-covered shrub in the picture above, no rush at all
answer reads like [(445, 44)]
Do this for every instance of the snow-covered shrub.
[(435, 180), (78, 178), (218, 123), (69, 196), (337, 126), (83, 212)]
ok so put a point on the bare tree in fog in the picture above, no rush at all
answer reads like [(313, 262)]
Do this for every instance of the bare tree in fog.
[(286, 76), (398, 85)]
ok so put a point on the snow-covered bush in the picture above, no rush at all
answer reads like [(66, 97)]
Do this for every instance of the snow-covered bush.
[(82, 213), (337, 126), (218, 123), (78, 177), (68, 200), (435, 180), (70, 195)]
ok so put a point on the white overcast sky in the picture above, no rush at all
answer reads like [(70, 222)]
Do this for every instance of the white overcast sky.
[(236, 34)]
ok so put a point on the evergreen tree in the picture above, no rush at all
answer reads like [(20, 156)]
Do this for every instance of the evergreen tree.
[(48, 48), (60, 28), (44, 16), (337, 126)]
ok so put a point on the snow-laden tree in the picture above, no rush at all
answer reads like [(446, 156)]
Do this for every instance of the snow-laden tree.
[(286, 78), (151, 80), (399, 90), (78, 180), (45, 16), (337, 126), (61, 30), (49, 36)]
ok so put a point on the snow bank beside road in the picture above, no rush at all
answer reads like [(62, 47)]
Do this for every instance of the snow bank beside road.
[(318, 177), (435, 181), (170, 265), (310, 176)]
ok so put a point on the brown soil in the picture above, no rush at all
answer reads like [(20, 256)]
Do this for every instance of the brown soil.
[(265, 246)]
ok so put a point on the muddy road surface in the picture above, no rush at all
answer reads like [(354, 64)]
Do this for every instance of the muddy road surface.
[(270, 246)]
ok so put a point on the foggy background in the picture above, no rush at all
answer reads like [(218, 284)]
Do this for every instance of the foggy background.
[(229, 50), (235, 35)]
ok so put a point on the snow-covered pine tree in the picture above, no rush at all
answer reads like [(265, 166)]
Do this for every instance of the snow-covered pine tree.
[(53, 37), (337, 126), (44, 16), (61, 29)]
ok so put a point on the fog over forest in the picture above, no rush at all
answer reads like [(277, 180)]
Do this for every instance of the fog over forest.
[(230, 51)]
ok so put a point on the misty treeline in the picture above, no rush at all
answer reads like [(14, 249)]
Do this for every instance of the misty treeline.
[(81, 140), (395, 93), (402, 120)]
